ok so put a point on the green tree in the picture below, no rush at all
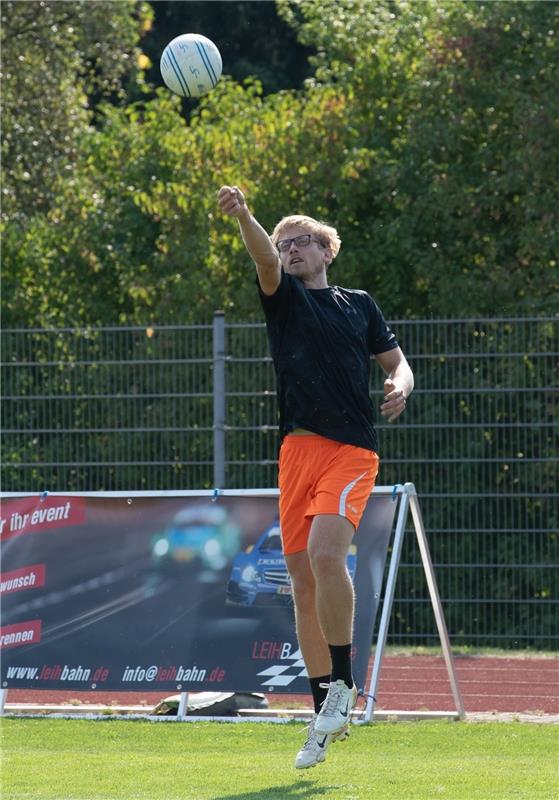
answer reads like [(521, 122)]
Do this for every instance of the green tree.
[(57, 58), (427, 136), (451, 180), (136, 235)]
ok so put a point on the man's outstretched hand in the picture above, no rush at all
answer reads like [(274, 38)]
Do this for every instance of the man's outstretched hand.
[(232, 201)]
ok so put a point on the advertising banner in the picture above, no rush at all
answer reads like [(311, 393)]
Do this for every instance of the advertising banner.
[(170, 593)]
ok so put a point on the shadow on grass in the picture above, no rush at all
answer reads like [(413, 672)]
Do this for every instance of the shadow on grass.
[(301, 790)]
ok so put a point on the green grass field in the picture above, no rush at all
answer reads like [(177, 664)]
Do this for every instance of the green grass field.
[(44, 759)]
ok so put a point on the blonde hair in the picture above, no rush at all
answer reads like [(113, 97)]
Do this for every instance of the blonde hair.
[(326, 234)]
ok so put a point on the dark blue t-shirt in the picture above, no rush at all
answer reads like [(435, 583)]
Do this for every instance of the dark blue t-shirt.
[(321, 341)]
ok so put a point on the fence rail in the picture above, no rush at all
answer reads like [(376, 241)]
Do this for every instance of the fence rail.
[(187, 407)]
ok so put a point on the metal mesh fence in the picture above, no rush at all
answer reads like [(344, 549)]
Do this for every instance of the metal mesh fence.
[(480, 442), (108, 408), (133, 408)]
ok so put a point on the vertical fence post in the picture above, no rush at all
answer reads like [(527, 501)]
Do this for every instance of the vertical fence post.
[(219, 399)]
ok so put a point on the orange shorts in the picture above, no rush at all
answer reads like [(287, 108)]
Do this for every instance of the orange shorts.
[(321, 476)]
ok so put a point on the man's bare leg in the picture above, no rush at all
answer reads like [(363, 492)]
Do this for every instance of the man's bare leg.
[(312, 641), (316, 655), (328, 545)]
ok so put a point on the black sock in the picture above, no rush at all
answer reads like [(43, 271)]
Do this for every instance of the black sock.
[(318, 692), (341, 663)]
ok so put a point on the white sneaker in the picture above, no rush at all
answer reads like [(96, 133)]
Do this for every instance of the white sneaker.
[(314, 750), (336, 709)]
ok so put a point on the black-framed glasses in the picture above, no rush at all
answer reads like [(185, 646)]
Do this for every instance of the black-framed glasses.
[(303, 240)]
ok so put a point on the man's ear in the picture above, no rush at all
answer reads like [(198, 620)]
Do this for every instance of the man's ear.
[(327, 257)]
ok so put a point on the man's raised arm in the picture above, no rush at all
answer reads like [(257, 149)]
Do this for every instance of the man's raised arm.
[(259, 245)]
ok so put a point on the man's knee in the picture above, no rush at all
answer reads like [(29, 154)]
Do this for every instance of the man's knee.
[(302, 580), (303, 588), (329, 542), (326, 561)]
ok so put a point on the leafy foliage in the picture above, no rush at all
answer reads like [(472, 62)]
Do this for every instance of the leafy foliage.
[(55, 58), (453, 111), (427, 136)]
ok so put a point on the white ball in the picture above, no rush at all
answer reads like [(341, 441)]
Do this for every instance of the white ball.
[(191, 65)]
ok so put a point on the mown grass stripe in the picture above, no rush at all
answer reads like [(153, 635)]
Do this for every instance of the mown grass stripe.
[(50, 759)]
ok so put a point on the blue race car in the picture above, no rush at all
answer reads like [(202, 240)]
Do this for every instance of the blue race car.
[(259, 576), (198, 534)]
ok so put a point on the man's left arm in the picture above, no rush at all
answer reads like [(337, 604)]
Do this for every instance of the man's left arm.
[(398, 385)]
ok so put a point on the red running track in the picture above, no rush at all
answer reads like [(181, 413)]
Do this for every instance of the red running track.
[(517, 685), (407, 683)]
